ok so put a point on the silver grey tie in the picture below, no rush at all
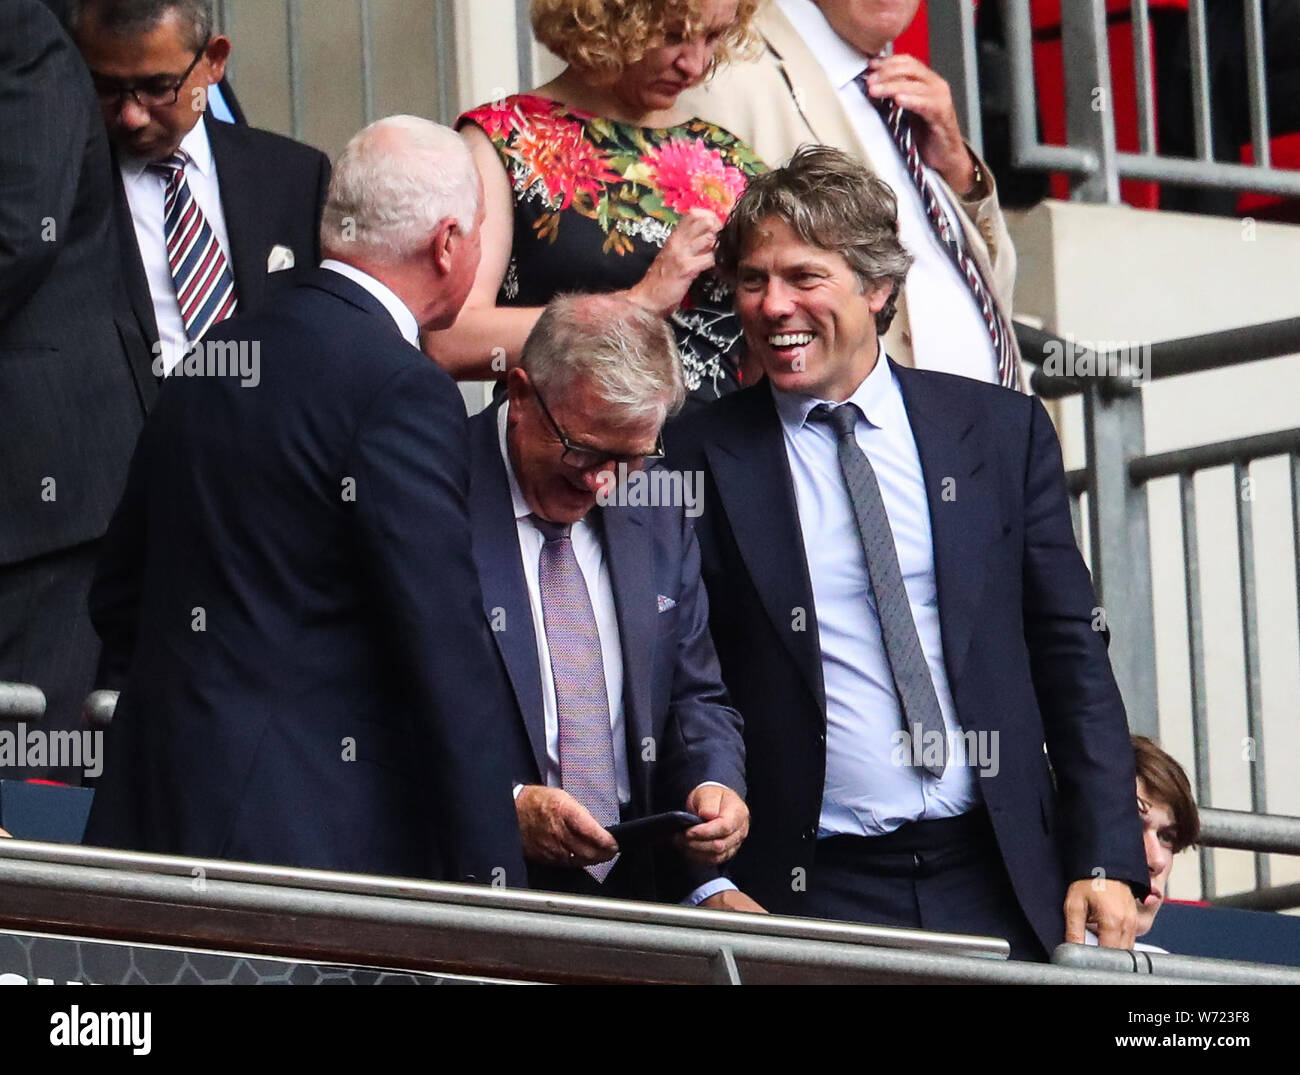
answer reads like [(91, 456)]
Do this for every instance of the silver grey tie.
[(581, 699), (922, 716)]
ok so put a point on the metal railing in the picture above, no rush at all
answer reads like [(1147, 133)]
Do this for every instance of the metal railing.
[(1114, 486), (1091, 156), (1185, 968), (484, 932)]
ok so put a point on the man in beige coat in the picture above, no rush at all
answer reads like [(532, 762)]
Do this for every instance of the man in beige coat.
[(818, 78)]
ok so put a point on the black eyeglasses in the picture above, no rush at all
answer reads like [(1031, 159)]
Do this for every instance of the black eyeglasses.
[(160, 91), (584, 457)]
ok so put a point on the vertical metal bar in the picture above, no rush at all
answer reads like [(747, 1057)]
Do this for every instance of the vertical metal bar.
[(1024, 98), (1258, 84), (1196, 662), (1200, 57), (1121, 548), (367, 67), (1076, 518), (293, 22), (1144, 77), (524, 44), (1244, 497), (444, 39), (952, 54), (1089, 108), (222, 18)]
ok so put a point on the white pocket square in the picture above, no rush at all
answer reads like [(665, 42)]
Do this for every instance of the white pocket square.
[(665, 603), (280, 258)]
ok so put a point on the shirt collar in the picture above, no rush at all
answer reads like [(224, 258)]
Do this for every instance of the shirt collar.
[(195, 143), (522, 510), (840, 60), (872, 397), (406, 323)]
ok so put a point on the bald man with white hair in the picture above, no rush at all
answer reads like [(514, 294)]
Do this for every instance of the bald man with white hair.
[(287, 596)]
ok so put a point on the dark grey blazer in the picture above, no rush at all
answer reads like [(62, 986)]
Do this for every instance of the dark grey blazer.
[(70, 408)]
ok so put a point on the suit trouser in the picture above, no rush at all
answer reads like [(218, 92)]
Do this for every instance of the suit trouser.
[(945, 874), (46, 639)]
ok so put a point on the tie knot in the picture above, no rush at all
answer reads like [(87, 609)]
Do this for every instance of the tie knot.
[(843, 418), (173, 165), (550, 531)]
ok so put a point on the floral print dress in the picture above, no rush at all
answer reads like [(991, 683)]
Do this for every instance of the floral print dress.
[(595, 200)]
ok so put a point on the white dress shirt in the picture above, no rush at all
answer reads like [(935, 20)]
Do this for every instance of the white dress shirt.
[(948, 331), (145, 193), (866, 792), (590, 553), (400, 312)]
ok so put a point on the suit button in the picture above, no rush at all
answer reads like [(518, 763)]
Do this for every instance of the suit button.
[(810, 833), (821, 738)]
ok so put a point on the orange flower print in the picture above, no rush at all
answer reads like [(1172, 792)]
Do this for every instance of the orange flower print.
[(556, 151)]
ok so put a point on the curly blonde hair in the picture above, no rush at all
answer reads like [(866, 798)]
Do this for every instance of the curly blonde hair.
[(605, 36)]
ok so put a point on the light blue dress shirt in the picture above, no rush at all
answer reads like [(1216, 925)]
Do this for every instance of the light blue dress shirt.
[(867, 791)]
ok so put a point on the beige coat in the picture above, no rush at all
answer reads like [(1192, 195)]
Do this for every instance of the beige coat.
[(783, 99)]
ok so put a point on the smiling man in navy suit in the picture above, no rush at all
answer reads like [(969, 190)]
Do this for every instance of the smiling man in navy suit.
[(594, 597), (933, 734)]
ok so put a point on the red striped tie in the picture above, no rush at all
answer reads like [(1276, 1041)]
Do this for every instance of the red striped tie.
[(205, 288), (899, 125)]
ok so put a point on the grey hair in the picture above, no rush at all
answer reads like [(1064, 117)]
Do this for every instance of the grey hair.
[(129, 18), (830, 201), (624, 351), (392, 185)]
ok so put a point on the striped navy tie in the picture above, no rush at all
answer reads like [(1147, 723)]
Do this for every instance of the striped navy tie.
[(899, 125), (205, 288)]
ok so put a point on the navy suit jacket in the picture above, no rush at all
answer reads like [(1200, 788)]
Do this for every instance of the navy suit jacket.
[(680, 728), (288, 590), (272, 194), (1016, 618)]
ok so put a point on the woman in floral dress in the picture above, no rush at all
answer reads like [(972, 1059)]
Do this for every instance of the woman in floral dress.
[(597, 182)]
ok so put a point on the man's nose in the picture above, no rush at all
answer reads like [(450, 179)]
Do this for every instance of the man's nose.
[(130, 114), (777, 300)]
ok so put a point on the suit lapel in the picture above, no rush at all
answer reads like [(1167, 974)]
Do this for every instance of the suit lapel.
[(241, 191), (752, 475), (810, 89), (133, 274), (501, 576), (965, 505), (630, 556)]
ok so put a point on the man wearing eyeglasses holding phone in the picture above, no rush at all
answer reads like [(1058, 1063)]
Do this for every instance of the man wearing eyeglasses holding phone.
[(597, 608), (210, 215)]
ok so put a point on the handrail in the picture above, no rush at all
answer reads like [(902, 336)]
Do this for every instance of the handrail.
[(1166, 358), (1246, 831), (485, 932), (1169, 965), (21, 701)]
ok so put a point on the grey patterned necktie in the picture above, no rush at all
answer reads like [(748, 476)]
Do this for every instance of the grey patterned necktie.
[(912, 681), (581, 699)]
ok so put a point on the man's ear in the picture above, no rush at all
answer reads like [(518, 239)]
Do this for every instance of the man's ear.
[(517, 386), (217, 53), (445, 236)]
